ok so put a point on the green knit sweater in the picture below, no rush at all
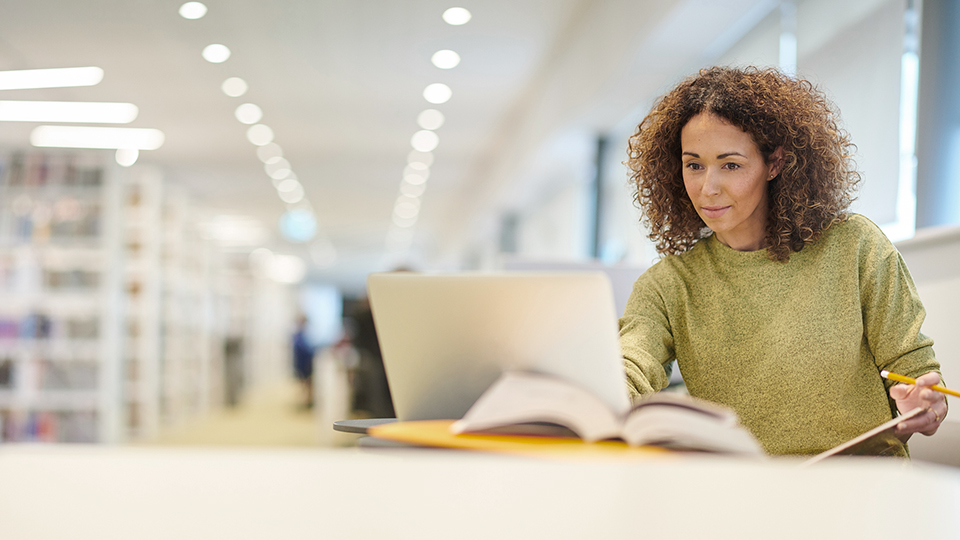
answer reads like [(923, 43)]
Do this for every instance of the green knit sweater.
[(795, 348)]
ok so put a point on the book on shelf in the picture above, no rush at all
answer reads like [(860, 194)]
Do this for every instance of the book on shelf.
[(526, 403)]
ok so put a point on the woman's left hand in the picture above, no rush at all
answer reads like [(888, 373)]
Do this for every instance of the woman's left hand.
[(909, 397)]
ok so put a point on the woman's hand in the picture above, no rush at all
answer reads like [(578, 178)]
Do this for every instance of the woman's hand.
[(909, 397)]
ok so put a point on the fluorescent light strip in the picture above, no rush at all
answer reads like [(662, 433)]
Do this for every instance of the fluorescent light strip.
[(68, 111), (50, 78), (96, 137)]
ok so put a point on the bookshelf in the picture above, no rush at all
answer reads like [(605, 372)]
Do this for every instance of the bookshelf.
[(114, 310), (59, 341)]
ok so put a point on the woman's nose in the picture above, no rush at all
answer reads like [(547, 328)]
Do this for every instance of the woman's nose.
[(711, 183)]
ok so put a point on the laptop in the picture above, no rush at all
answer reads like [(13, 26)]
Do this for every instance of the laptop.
[(445, 338)]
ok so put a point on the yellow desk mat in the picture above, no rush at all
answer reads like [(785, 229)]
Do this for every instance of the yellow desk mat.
[(436, 433)]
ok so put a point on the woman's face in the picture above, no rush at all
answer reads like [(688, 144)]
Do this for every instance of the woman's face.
[(726, 179)]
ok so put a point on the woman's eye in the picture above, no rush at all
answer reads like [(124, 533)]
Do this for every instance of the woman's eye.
[(731, 166), (693, 166)]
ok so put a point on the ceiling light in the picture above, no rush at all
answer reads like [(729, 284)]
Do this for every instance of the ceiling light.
[(406, 207), (279, 173), (216, 53), (416, 166), (50, 78), (68, 111), (248, 113), (127, 156), (415, 179), (275, 167), (298, 225), (437, 93), (412, 190), (96, 137), (410, 169), (277, 181), (289, 185), (430, 119), (193, 10), (423, 157), (260, 134), (269, 153), (445, 59), (401, 221), (424, 140), (234, 87), (291, 197), (456, 16)]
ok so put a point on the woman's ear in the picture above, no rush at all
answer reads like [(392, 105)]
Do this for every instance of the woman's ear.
[(776, 163)]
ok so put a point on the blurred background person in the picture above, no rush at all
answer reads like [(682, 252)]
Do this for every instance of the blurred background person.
[(303, 362)]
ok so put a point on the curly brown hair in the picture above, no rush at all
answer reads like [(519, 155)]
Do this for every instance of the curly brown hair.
[(818, 177)]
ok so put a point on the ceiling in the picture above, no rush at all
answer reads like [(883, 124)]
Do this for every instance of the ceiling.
[(340, 83)]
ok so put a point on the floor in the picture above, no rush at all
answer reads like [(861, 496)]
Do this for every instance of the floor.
[(268, 416)]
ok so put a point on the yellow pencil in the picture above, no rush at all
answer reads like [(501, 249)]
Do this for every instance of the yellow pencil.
[(910, 380)]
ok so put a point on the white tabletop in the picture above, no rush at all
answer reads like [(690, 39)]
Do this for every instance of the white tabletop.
[(109, 493)]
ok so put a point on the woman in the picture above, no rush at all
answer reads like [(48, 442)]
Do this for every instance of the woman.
[(773, 300)]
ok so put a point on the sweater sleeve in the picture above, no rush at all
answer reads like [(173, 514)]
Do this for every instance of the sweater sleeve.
[(892, 311), (646, 340)]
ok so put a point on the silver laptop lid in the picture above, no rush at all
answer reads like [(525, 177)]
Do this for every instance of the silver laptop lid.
[(446, 338)]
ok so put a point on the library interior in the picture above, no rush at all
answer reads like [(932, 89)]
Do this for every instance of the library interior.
[(194, 195)]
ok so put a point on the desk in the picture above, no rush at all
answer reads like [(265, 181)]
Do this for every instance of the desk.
[(109, 493)]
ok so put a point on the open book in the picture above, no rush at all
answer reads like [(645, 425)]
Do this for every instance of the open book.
[(536, 404)]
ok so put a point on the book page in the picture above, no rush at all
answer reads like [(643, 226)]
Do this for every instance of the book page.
[(520, 397), (678, 427)]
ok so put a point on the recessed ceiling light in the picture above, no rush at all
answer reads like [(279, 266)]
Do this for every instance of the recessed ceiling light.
[(424, 140), (216, 53), (406, 207), (423, 157), (248, 113), (445, 59), (127, 156), (456, 16), (279, 173), (193, 10), (298, 225), (275, 167), (412, 190), (96, 137), (269, 153), (234, 87), (277, 181), (437, 93), (289, 185), (430, 119), (50, 78), (291, 197), (410, 169), (260, 134), (416, 166), (415, 179), (68, 112)]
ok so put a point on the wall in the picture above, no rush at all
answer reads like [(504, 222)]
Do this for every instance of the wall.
[(933, 258), (853, 50)]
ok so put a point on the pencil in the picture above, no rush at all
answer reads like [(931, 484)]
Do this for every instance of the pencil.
[(910, 380)]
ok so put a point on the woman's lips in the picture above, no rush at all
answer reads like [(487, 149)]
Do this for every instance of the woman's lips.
[(714, 212)]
